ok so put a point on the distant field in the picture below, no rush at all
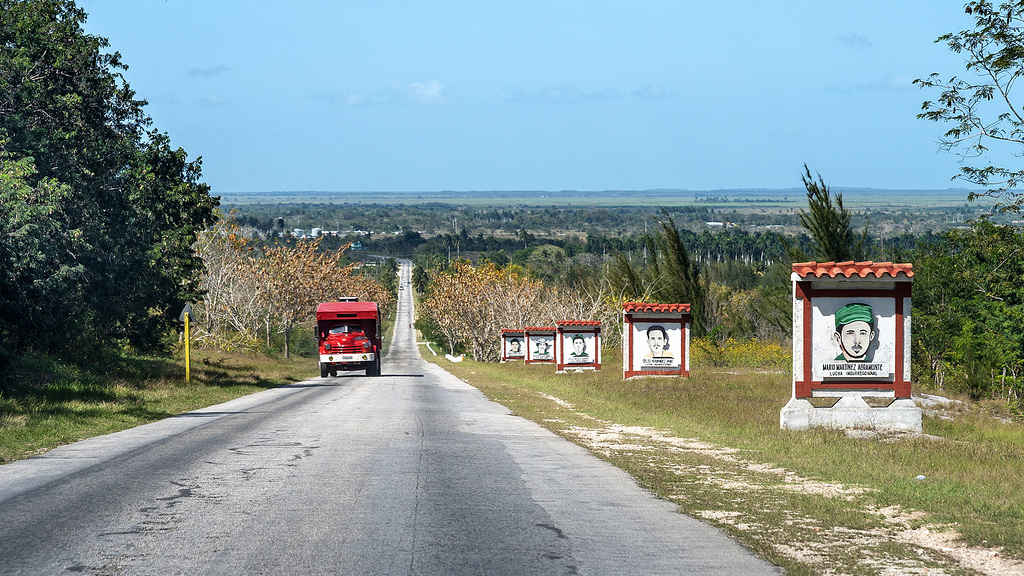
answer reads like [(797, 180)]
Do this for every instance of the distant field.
[(718, 199)]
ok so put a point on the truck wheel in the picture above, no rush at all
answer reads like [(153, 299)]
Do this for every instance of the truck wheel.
[(374, 369), (323, 370)]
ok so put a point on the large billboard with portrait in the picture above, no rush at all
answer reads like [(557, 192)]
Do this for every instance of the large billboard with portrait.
[(539, 345), (851, 328), (851, 343), (579, 345), (513, 345)]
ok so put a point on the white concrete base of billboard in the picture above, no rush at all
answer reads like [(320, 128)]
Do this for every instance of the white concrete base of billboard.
[(852, 411)]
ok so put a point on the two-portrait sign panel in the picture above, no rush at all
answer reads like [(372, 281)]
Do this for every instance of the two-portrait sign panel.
[(851, 327), (655, 339)]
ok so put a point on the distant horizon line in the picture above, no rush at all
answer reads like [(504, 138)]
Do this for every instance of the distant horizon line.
[(606, 191)]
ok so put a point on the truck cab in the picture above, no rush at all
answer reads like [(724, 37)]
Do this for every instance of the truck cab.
[(348, 337)]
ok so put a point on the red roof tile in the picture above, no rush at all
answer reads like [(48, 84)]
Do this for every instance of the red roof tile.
[(647, 307), (539, 329), (511, 330), (577, 323), (851, 268)]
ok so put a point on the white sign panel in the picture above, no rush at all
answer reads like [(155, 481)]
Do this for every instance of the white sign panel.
[(514, 346), (657, 346), (542, 347), (853, 338), (579, 347)]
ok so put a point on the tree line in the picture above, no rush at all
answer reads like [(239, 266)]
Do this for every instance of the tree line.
[(251, 291), (98, 210), (103, 220)]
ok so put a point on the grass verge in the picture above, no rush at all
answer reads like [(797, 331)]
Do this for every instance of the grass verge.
[(45, 403), (813, 502)]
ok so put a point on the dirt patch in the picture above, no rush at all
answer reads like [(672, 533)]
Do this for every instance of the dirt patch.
[(892, 542)]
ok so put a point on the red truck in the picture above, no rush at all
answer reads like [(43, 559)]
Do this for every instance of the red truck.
[(348, 337)]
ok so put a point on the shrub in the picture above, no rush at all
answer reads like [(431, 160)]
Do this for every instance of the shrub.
[(745, 353)]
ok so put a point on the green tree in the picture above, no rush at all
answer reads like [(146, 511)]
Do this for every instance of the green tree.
[(979, 108), (668, 274), (138, 203), (38, 246), (389, 274), (158, 270), (828, 223), (969, 308), (420, 279)]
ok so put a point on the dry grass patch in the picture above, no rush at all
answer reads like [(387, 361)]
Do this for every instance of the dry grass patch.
[(813, 502), (44, 404)]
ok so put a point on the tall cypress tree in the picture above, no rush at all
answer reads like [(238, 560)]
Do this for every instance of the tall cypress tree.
[(828, 223)]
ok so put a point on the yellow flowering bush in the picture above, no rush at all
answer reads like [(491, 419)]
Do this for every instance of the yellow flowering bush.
[(746, 353)]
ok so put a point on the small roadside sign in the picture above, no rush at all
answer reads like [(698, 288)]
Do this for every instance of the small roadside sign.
[(186, 311), (184, 317)]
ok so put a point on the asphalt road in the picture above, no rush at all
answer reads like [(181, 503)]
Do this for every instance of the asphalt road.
[(412, 472)]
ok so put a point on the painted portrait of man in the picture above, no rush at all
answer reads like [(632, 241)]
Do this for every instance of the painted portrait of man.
[(657, 342), (579, 347), (515, 347), (855, 331), (542, 347)]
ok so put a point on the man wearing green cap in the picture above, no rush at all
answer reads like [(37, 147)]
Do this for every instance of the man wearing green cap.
[(855, 329)]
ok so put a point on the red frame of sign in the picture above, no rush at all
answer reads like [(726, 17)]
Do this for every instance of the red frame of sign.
[(540, 331), (578, 326), (663, 314), (805, 387), (509, 333)]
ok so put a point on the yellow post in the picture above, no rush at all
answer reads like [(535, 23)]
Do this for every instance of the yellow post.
[(187, 343)]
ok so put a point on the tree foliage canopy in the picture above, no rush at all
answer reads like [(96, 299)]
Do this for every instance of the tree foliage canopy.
[(246, 289), (467, 306), (101, 210), (969, 308), (979, 108), (828, 223), (667, 275), (969, 305)]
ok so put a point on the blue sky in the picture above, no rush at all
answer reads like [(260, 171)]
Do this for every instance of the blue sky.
[(540, 95)]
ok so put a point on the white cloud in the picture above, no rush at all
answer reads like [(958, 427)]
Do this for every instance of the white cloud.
[(563, 94), (891, 83), (430, 92), (654, 92), (213, 100), (901, 81), (207, 72), (570, 94), (353, 99)]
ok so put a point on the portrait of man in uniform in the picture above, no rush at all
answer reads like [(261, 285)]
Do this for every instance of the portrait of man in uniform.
[(855, 331), (579, 347)]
